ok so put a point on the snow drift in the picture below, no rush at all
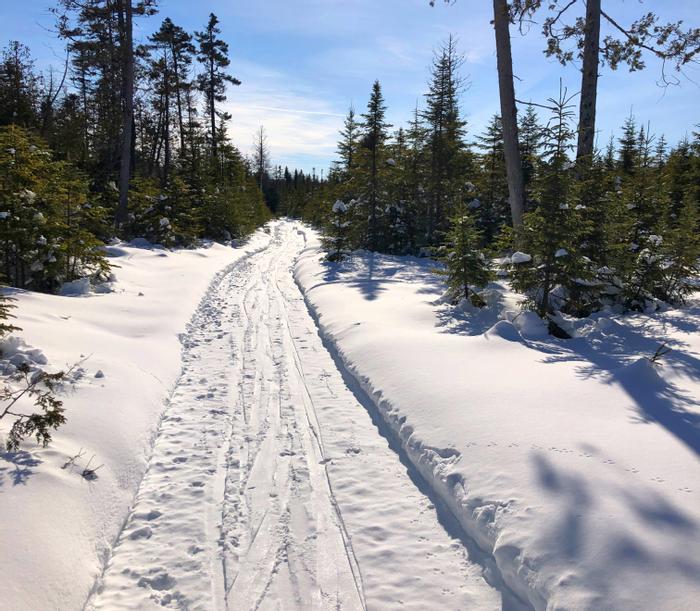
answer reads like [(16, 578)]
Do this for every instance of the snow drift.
[(574, 464), (57, 526)]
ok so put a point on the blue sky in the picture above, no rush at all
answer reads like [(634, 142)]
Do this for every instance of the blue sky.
[(302, 62)]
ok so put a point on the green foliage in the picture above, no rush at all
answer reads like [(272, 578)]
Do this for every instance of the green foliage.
[(551, 234), (45, 229), (336, 238), (466, 266), (6, 307), (39, 387)]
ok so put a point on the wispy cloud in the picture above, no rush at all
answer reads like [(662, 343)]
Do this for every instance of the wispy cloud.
[(301, 121)]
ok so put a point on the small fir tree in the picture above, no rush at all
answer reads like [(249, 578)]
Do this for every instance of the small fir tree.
[(466, 267), (336, 239)]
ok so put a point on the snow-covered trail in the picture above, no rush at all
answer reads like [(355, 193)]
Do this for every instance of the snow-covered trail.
[(269, 486)]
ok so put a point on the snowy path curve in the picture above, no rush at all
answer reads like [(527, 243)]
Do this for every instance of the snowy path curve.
[(269, 486)]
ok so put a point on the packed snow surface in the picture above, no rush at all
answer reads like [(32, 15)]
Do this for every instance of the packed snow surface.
[(57, 527), (337, 436), (574, 464), (256, 478)]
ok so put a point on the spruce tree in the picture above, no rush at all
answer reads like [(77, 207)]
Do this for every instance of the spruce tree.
[(337, 234), (347, 145), (491, 182), (371, 166), (445, 138), (530, 132), (212, 53), (550, 234), (466, 267)]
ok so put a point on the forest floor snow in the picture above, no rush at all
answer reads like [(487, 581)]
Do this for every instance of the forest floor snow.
[(573, 464), (265, 484), (57, 527), (337, 436)]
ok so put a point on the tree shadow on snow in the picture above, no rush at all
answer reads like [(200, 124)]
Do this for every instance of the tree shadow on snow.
[(471, 321), (372, 273), (16, 467), (619, 358), (577, 497)]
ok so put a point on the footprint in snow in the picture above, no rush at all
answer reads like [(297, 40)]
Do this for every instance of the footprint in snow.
[(141, 533), (149, 516), (163, 581)]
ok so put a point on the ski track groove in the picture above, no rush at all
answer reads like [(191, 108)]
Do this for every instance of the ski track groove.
[(239, 506)]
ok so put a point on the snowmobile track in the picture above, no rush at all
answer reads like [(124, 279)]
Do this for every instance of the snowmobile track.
[(269, 487)]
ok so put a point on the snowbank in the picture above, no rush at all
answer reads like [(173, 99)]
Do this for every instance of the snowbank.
[(55, 525), (575, 464)]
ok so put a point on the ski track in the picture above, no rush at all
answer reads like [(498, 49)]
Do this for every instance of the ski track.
[(269, 487)]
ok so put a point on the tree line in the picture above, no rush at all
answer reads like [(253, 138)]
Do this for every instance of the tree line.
[(124, 139), (618, 227)]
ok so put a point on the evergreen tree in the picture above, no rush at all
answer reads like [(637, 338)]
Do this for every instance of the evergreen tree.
[(212, 52), (530, 132), (371, 166), (492, 185), (466, 267), (6, 307), (347, 145), (44, 217), (337, 235), (551, 232), (19, 86), (445, 138)]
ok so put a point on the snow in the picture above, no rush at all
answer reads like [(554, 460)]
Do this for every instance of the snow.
[(520, 257), (75, 287), (339, 435), (291, 477), (572, 463), (561, 252), (339, 207), (56, 527), (268, 480)]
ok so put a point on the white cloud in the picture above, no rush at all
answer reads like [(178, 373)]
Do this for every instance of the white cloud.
[(300, 121)]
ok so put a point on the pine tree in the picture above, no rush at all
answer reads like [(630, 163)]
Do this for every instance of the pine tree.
[(212, 52), (46, 223), (19, 86), (337, 235), (445, 137), (550, 233), (466, 267), (530, 132), (371, 166), (492, 185), (628, 146), (347, 145)]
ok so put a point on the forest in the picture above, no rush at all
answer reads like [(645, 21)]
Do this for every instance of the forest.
[(123, 140), (431, 342), (131, 140)]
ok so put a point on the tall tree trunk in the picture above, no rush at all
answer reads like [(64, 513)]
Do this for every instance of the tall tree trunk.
[(166, 95), (509, 116), (589, 82), (212, 108), (126, 21), (178, 91)]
